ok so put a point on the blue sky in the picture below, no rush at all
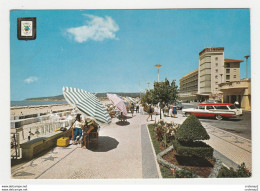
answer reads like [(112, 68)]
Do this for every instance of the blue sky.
[(112, 50)]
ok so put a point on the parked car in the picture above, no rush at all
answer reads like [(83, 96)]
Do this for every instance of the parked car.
[(214, 110), (179, 105)]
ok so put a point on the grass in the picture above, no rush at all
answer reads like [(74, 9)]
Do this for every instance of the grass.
[(166, 173)]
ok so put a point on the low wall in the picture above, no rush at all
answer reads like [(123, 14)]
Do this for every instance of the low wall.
[(20, 122), (36, 146)]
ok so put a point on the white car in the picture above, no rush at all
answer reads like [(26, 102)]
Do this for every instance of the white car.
[(214, 110)]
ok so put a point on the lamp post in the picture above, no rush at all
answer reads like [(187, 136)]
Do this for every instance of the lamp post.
[(158, 66), (148, 83), (246, 63)]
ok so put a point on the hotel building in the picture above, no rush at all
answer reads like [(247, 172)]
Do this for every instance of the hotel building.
[(189, 85), (213, 70)]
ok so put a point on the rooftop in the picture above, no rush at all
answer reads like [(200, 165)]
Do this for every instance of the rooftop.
[(232, 60), (212, 49)]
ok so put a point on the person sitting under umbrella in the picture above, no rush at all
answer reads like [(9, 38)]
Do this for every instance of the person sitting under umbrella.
[(90, 126), (77, 129)]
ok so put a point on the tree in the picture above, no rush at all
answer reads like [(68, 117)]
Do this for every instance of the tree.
[(163, 93)]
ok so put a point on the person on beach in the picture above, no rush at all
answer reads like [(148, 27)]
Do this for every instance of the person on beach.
[(132, 109), (174, 110), (77, 129), (90, 126), (150, 112)]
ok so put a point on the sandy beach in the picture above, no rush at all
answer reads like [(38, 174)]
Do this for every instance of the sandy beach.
[(28, 110)]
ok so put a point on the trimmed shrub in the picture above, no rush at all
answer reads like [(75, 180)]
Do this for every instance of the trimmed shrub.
[(197, 148), (242, 171), (191, 130), (183, 174)]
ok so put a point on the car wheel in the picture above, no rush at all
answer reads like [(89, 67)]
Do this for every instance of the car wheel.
[(187, 114), (219, 117)]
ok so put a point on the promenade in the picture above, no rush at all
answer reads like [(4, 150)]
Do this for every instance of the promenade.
[(124, 152)]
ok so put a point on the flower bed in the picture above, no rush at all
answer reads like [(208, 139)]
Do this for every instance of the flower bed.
[(163, 135)]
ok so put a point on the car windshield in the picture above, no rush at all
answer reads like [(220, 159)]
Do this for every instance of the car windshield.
[(232, 107)]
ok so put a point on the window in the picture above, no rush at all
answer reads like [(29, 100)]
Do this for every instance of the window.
[(210, 107), (228, 77), (216, 64), (232, 107), (228, 65), (216, 58), (216, 77), (227, 70), (235, 76), (216, 70), (201, 107), (222, 107), (216, 82)]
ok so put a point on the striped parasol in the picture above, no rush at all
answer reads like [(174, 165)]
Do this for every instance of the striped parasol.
[(131, 99), (87, 103), (118, 102)]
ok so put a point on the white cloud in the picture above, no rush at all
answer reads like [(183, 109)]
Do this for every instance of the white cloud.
[(96, 28), (30, 79)]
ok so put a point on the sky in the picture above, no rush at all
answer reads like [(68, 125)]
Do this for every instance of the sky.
[(117, 50)]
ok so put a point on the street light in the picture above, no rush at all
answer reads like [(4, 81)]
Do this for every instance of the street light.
[(246, 63), (158, 66), (148, 83)]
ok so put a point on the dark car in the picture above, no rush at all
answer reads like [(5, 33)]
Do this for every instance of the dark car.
[(179, 105)]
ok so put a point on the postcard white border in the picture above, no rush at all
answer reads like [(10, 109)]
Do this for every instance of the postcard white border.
[(6, 6)]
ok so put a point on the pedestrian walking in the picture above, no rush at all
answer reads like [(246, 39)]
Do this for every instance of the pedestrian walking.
[(174, 110), (132, 109), (150, 112), (170, 111), (137, 108)]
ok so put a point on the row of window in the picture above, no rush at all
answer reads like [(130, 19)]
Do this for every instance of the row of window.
[(222, 107)]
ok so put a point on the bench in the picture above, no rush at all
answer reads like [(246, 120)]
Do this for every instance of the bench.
[(36, 146)]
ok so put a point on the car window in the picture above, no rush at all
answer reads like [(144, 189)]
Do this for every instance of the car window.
[(232, 107), (201, 107), (210, 107), (221, 107)]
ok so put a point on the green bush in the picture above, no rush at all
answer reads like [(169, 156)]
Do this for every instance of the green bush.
[(183, 174), (197, 148), (191, 130), (241, 171)]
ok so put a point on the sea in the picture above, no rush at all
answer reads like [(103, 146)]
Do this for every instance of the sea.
[(28, 103)]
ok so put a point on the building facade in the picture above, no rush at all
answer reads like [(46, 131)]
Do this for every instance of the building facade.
[(211, 65), (189, 85), (213, 70), (239, 91), (231, 70)]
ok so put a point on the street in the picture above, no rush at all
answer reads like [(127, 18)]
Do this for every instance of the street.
[(240, 126)]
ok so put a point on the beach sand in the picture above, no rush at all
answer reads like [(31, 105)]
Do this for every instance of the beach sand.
[(28, 110)]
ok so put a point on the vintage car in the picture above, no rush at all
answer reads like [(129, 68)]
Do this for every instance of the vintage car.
[(214, 110)]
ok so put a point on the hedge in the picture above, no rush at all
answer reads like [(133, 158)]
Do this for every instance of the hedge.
[(242, 171), (191, 130), (197, 148)]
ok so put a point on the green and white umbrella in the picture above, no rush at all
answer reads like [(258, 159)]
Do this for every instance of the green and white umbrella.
[(87, 103)]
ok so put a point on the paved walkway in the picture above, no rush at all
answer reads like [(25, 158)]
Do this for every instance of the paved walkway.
[(124, 152)]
